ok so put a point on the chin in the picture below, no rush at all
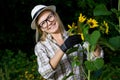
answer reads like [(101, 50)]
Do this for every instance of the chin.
[(55, 30)]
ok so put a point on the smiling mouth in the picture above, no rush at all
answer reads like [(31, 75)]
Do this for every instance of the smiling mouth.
[(52, 25)]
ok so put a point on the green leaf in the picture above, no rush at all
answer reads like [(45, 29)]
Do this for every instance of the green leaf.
[(85, 33), (101, 10), (115, 60), (94, 65), (76, 61), (106, 43), (94, 37), (73, 49), (115, 42), (115, 11), (98, 63), (89, 65)]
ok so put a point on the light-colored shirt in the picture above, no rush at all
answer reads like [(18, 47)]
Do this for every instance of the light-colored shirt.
[(45, 50)]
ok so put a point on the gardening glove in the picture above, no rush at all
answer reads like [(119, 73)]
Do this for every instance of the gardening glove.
[(70, 42)]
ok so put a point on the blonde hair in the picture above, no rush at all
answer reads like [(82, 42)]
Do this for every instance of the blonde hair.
[(41, 35)]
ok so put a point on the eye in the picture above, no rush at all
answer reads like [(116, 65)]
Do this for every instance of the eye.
[(50, 16), (42, 23)]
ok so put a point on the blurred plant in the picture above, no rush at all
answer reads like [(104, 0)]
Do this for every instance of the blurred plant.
[(96, 31), (18, 66), (90, 39)]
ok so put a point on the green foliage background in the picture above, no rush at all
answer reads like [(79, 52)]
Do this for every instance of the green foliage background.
[(17, 40), (15, 20)]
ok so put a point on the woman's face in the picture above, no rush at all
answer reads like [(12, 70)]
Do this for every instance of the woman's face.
[(47, 22)]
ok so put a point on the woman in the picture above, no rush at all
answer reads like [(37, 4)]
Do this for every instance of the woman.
[(52, 43)]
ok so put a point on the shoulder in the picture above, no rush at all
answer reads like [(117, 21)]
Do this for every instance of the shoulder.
[(39, 45)]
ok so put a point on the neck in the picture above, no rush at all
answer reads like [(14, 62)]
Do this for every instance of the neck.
[(58, 37)]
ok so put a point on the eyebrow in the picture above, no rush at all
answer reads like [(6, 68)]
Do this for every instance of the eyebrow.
[(47, 17)]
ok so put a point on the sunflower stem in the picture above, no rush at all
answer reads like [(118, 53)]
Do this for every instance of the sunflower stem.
[(119, 16), (88, 74)]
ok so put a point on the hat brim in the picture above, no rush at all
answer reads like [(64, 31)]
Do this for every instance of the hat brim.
[(52, 8)]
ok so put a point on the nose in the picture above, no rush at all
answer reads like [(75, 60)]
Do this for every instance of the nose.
[(49, 23)]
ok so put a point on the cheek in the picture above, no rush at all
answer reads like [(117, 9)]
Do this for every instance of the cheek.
[(57, 25)]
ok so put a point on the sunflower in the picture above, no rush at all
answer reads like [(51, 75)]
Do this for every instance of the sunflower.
[(82, 37), (92, 22), (72, 28), (106, 26), (82, 18)]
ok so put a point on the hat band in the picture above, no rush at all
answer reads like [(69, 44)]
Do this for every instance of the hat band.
[(37, 12)]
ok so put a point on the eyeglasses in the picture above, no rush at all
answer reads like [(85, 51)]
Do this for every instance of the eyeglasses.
[(50, 18)]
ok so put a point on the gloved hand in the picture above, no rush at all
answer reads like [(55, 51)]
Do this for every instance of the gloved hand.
[(70, 42)]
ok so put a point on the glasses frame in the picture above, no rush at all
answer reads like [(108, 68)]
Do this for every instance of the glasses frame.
[(45, 22)]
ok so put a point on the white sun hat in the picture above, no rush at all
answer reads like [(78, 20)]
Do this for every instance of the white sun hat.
[(37, 10)]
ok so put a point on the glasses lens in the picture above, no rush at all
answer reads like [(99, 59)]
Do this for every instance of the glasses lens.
[(43, 24), (50, 18)]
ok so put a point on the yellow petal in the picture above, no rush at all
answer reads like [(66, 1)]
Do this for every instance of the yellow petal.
[(69, 27)]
